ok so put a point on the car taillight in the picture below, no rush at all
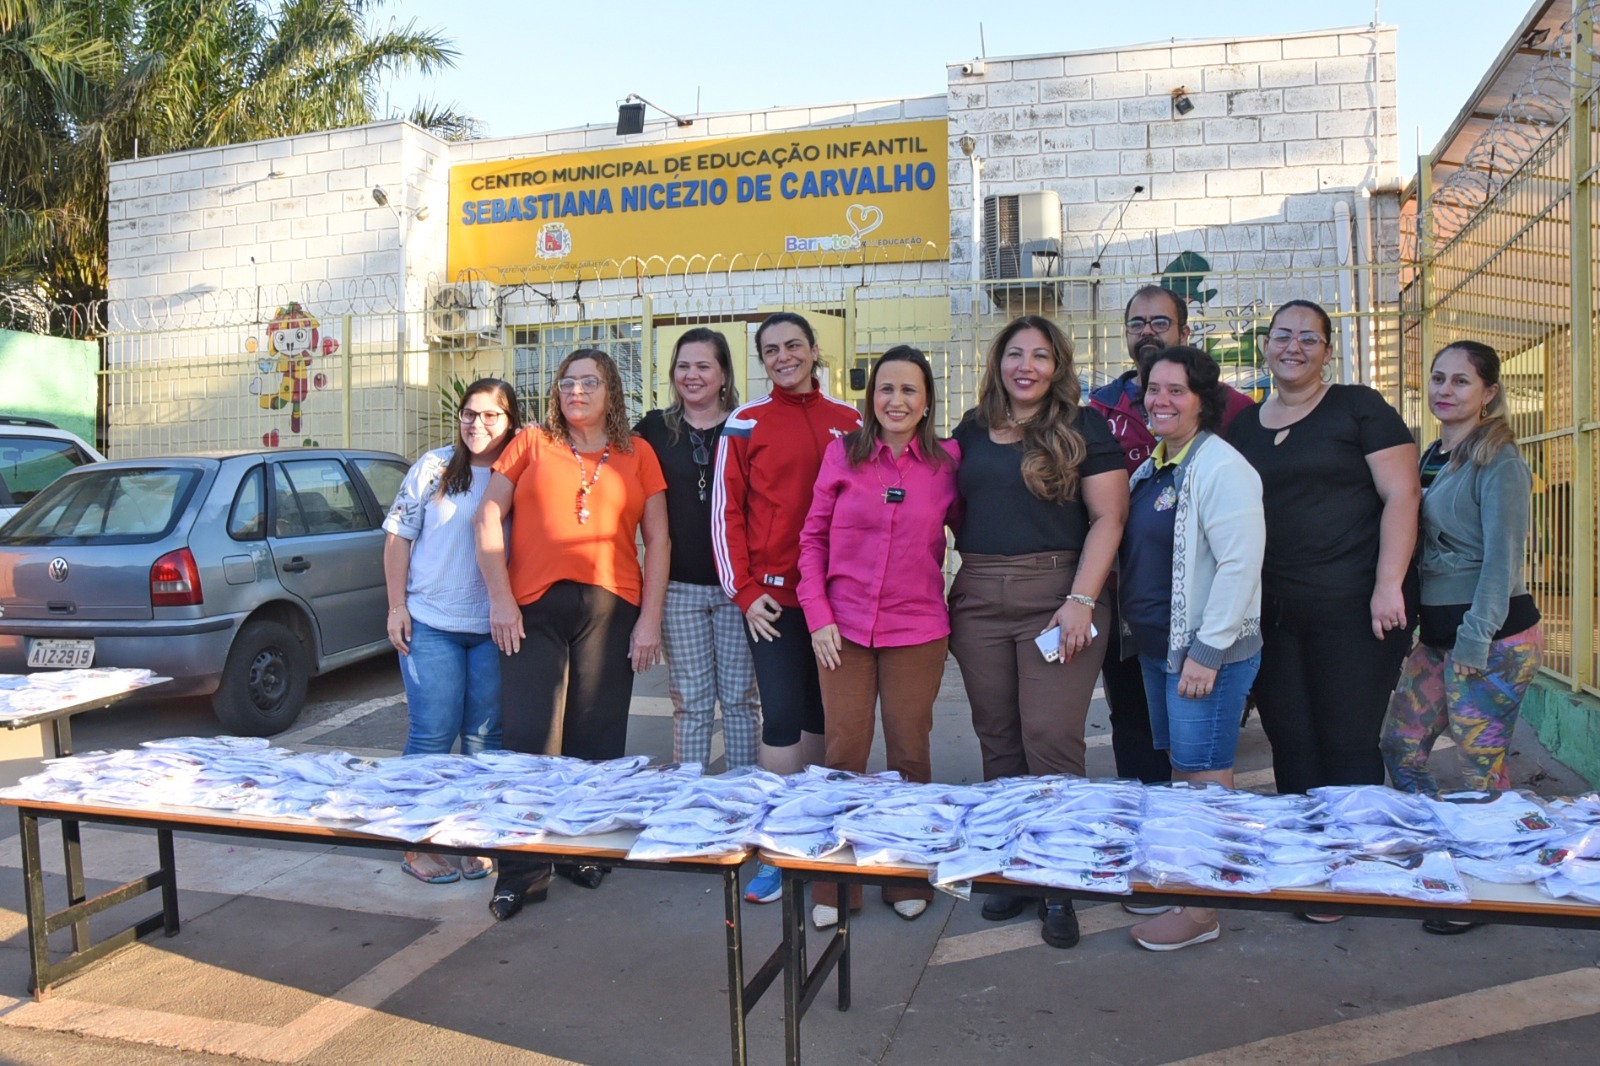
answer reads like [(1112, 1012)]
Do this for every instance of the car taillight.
[(175, 581)]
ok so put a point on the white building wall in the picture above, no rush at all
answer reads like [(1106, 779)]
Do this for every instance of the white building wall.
[(1281, 130), (197, 235)]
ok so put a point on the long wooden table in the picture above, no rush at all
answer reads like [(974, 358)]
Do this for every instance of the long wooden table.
[(1503, 904), (610, 849)]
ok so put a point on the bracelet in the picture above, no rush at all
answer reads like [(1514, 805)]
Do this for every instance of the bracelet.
[(392, 610), (1078, 597)]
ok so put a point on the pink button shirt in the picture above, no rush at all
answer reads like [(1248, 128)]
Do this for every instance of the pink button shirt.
[(871, 567)]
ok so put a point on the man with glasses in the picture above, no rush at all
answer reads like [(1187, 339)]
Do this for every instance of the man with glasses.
[(1154, 319)]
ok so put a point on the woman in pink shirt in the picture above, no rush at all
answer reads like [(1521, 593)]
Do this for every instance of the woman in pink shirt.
[(872, 586)]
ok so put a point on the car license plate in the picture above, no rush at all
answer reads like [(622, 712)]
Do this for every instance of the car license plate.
[(61, 654)]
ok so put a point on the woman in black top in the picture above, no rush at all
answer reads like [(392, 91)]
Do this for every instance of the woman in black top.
[(1044, 493), (702, 631), (1339, 482)]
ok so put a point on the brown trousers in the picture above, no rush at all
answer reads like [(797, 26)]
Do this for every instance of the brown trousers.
[(904, 682), (1028, 713)]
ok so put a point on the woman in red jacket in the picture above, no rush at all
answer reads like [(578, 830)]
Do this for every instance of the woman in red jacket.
[(767, 463)]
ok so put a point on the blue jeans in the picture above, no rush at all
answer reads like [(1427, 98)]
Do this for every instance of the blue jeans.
[(1198, 734), (452, 690)]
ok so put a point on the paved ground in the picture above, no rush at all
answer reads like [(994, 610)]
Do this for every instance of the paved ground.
[(294, 954)]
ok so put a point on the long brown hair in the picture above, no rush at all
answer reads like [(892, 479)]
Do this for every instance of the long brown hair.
[(1052, 447), (728, 398), (457, 477), (859, 443), (1493, 430), (617, 430)]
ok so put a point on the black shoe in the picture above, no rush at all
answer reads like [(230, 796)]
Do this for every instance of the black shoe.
[(1060, 929), (583, 874), (1440, 927), (508, 902), (999, 906)]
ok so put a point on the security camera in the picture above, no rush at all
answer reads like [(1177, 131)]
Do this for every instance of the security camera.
[(974, 68)]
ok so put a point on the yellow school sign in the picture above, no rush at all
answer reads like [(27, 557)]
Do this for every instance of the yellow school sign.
[(848, 195)]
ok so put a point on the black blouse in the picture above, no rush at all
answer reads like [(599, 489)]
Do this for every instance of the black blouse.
[(1001, 517)]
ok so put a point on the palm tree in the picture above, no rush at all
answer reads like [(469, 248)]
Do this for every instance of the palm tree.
[(86, 82)]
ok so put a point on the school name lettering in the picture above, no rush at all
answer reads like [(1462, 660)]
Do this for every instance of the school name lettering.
[(720, 160), (697, 192)]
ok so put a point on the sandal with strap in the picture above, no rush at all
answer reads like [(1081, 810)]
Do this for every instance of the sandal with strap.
[(429, 869)]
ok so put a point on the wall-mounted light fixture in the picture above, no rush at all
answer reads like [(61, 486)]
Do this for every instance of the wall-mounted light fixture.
[(1181, 104), (630, 115), (381, 198)]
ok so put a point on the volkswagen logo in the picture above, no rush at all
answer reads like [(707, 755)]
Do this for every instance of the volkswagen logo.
[(58, 569)]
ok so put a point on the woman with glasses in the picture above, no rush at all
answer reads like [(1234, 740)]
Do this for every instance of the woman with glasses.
[(1339, 482), (872, 586), (702, 631), (1044, 494), (767, 464), (574, 609), (438, 616)]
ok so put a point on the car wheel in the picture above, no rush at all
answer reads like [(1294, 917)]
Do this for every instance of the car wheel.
[(264, 682)]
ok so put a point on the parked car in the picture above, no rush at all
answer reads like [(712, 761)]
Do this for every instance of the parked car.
[(33, 453), (239, 577)]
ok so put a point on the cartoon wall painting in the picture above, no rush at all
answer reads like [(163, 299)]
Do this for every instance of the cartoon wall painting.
[(294, 340)]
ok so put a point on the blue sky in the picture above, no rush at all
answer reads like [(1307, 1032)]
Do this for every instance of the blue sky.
[(527, 66)]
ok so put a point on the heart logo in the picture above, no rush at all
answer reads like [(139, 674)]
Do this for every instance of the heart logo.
[(863, 218)]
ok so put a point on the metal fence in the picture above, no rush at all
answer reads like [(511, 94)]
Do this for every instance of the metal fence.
[(1505, 273)]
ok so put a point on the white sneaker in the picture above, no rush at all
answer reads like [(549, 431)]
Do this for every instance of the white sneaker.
[(824, 916), (910, 909)]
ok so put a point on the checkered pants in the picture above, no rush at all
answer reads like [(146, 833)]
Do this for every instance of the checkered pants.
[(708, 660)]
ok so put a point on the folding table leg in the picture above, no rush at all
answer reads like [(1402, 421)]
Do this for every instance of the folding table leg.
[(72, 859), (169, 882), (732, 918), (33, 896), (843, 935), (794, 964)]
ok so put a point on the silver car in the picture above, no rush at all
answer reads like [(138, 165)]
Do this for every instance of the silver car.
[(240, 578)]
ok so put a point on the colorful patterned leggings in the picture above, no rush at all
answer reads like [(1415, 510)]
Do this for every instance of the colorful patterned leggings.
[(1479, 709)]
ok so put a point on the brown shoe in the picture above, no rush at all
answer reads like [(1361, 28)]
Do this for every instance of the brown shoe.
[(1180, 927)]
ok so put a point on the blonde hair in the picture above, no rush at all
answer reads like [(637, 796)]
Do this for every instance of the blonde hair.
[(1052, 448)]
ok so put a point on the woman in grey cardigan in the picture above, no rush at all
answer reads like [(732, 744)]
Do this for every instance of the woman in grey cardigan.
[(1190, 591), (1480, 644)]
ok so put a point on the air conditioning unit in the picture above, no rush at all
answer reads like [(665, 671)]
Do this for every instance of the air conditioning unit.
[(1022, 236), (463, 309)]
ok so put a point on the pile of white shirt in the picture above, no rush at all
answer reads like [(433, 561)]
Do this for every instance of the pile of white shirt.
[(1056, 831)]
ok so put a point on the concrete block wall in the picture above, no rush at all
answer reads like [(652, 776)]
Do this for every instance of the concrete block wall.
[(196, 236), (1281, 129)]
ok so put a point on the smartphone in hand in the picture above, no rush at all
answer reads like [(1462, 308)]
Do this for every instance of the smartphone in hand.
[(1049, 642)]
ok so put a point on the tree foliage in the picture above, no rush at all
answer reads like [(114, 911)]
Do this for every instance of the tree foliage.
[(84, 83)]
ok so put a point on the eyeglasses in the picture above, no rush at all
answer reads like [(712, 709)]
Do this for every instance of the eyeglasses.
[(701, 454), (1306, 338), (568, 386), (489, 419), (1158, 324)]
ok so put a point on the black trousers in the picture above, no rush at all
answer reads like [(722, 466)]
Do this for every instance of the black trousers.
[(1323, 690), (1131, 743), (573, 662), (786, 674)]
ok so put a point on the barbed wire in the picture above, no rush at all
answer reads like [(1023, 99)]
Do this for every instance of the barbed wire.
[(1537, 107)]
